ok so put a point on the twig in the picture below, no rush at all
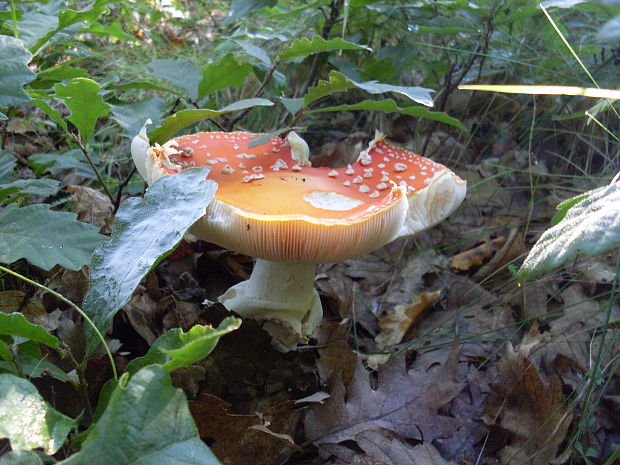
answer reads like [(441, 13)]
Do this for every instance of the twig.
[(258, 93), (122, 184), (79, 369), (78, 140)]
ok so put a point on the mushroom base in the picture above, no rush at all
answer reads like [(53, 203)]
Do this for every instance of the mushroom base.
[(281, 294)]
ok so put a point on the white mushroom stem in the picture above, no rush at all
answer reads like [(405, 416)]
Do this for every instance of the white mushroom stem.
[(283, 294)]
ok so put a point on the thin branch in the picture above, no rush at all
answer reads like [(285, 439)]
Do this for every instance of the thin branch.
[(79, 369), (78, 141), (122, 184)]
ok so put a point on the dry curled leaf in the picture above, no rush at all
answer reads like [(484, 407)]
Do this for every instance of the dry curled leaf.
[(93, 206), (480, 254)]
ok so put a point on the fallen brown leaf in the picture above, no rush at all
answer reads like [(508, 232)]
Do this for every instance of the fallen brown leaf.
[(92, 206), (464, 261)]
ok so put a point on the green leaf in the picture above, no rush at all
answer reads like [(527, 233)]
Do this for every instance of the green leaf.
[(68, 17), (304, 47), (7, 164), (22, 457), (182, 74), (241, 8), (39, 187), (563, 207), (46, 238), (147, 422), (390, 106), (338, 82), (144, 85), (185, 118), (16, 324), (226, 73), (14, 72), (35, 25), (176, 349), (140, 238), (61, 162), (5, 353), (51, 112), (292, 105), (255, 51), (61, 73), (27, 420), (264, 138), (82, 97), (591, 226), (131, 116), (36, 368)]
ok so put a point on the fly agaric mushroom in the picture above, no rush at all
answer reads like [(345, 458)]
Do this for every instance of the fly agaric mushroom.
[(272, 205)]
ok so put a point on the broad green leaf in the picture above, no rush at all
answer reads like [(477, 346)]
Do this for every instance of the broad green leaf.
[(39, 187), (131, 116), (304, 47), (255, 51), (82, 97), (35, 25), (182, 74), (226, 73), (7, 164), (185, 118), (14, 72), (241, 8), (338, 82), (590, 226), (264, 138), (390, 106), (16, 324), (22, 457), (176, 349), (610, 30), (144, 85), (46, 238), (563, 208), (36, 368), (146, 422), (61, 162), (68, 17), (27, 420), (61, 73), (51, 112), (5, 353), (144, 231), (292, 105), (546, 90)]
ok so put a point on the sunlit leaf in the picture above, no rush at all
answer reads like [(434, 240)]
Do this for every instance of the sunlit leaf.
[(304, 47), (176, 349), (27, 420), (46, 238), (590, 226), (546, 90), (16, 324), (82, 97), (390, 106), (14, 72), (182, 74), (186, 118), (146, 422), (145, 230), (225, 73)]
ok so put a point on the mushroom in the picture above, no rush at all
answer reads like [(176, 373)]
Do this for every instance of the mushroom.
[(272, 205)]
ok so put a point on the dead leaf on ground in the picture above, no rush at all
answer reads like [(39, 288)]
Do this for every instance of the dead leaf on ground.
[(464, 261), (406, 402), (513, 248), (535, 414), (242, 439), (92, 206)]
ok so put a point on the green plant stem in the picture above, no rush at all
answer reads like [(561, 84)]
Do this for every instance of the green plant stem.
[(14, 19), (78, 141), (73, 306)]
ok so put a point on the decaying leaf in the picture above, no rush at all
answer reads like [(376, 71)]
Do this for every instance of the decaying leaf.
[(512, 249), (92, 206), (536, 414), (404, 402), (464, 261)]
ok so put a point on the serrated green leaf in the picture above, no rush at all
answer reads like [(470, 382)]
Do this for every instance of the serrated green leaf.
[(255, 51), (338, 82), (304, 47), (131, 116), (14, 72), (241, 8), (16, 324), (182, 74), (82, 97), (51, 112), (140, 238), (226, 73), (22, 457), (27, 420), (46, 238), (185, 118), (69, 17), (590, 226), (146, 422), (39, 187), (175, 348), (7, 164), (292, 105), (390, 106)]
